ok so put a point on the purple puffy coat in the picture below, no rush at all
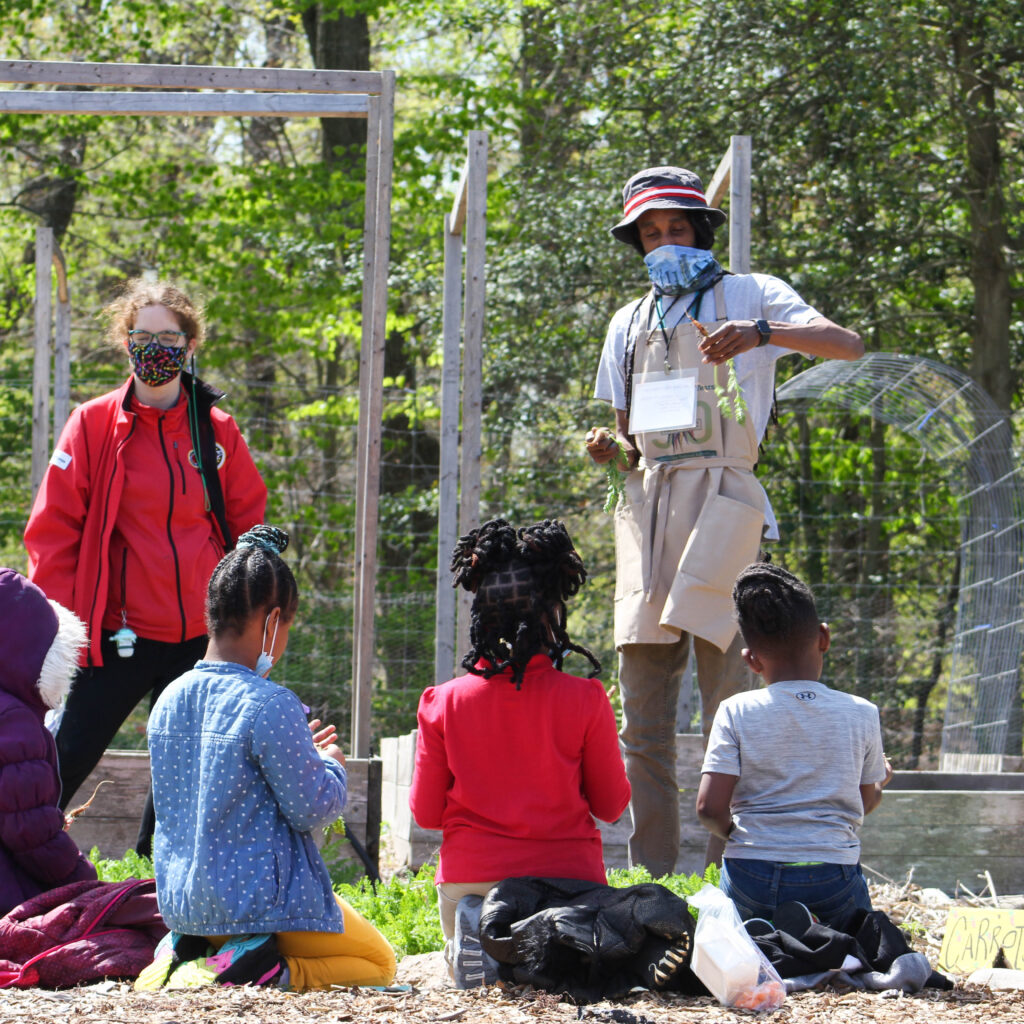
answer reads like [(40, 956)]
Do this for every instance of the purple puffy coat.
[(36, 854)]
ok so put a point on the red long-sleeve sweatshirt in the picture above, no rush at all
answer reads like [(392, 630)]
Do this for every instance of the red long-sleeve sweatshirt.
[(514, 778)]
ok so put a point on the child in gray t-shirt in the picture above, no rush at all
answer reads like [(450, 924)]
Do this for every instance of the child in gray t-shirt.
[(791, 769)]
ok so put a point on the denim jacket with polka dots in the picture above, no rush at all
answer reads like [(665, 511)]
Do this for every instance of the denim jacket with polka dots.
[(239, 788)]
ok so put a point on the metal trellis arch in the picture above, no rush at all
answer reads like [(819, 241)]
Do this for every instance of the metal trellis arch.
[(958, 425)]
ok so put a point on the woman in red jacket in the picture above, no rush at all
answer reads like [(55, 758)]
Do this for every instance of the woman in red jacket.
[(516, 758), (146, 490)]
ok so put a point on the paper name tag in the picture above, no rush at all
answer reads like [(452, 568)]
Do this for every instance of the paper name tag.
[(663, 401), (60, 459)]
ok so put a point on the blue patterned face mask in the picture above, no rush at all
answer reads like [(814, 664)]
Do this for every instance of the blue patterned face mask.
[(677, 269)]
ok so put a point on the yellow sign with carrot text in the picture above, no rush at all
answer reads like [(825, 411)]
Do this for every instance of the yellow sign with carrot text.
[(980, 937)]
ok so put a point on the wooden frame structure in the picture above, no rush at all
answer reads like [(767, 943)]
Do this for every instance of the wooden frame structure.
[(172, 89), (733, 173), (462, 312), (49, 263)]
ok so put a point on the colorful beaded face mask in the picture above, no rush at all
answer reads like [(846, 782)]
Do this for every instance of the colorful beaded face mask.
[(155, 364)]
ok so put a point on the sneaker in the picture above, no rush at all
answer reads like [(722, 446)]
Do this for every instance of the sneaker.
[(248, 960), (470, 964), (171, 952), (192, 974)]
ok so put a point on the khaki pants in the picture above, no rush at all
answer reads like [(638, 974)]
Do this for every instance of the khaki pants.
[(448, 896), (649, 678)]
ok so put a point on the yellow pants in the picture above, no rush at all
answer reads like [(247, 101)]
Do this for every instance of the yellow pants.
[(358, 956)]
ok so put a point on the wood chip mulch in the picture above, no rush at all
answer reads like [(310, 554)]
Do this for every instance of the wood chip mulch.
[(430, 1001)]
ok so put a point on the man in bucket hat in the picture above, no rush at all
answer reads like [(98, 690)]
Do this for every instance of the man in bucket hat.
[(689, 370)]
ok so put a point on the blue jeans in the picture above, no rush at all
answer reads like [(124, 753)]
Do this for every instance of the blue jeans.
[(832, 892)]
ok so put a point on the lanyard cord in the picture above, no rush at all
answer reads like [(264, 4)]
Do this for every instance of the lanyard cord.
[(661, 314)]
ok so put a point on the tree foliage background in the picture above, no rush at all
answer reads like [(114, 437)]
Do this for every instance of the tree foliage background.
[(888, 189)]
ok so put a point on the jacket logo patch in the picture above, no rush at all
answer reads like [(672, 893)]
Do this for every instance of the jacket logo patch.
[(806, 695), (60, 459), (194, 462)]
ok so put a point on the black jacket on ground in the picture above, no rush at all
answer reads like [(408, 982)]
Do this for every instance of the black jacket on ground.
[(589, 941)]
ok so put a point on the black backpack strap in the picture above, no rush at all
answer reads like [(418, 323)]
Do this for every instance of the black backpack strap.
[(207, 455)]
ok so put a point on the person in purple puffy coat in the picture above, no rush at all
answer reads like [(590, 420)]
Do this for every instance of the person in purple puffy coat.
[(39, 646)]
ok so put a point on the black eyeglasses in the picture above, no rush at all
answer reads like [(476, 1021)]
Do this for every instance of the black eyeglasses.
[(169, 339)]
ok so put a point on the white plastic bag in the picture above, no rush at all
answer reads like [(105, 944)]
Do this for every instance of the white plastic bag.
[(726, 959)]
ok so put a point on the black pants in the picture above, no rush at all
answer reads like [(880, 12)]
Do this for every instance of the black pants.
[(100, 700)]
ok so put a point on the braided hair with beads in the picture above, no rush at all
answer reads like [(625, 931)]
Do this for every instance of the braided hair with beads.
[(251, 578), (774, 609), (520, 580)]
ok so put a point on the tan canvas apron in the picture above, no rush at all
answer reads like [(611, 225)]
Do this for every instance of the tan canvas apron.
[(693, 512)]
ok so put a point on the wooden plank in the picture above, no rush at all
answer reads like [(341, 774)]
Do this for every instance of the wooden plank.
[(372, 393), (472, 357), (112, 821), (61, 347), (739, 205), (367, 445), (962, 781), (41, 359), (720, 179), (733, 174), (906, 808), (184, 104), (189, 76), (448, 471), (457, 217)]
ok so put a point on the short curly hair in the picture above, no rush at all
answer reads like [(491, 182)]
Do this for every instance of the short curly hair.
[(520, 580), (774, 609), (138, 293)]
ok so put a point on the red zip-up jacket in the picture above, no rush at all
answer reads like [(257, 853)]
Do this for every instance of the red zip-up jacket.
[(121, 480)]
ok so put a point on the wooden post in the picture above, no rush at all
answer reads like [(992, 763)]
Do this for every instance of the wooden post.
[(379, 150), (472, 360), (733, 172), (448, 473), (41, 362), (61, 347)]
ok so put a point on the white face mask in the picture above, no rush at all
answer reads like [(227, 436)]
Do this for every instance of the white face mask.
[(265, 661)]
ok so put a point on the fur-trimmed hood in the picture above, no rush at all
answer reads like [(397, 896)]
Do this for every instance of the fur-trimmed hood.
[(39, 643)]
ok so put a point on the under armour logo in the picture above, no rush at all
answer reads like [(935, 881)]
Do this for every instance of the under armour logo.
[(806, 695)]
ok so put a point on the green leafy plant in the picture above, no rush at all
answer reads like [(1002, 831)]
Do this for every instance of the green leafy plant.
[(404, 909), (131, 865)]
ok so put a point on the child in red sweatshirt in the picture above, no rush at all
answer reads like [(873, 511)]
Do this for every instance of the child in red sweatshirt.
[(515, 759)]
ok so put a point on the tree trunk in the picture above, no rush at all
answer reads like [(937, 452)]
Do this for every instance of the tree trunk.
[(986, 204), (339, 42)]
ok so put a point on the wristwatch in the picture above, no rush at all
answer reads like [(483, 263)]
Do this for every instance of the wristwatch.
[(764, 330)]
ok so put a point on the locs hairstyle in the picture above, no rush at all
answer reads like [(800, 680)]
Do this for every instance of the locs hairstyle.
[(520, 579)]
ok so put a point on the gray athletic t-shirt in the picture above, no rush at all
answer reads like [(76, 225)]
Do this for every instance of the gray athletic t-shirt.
[(801, 751)]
